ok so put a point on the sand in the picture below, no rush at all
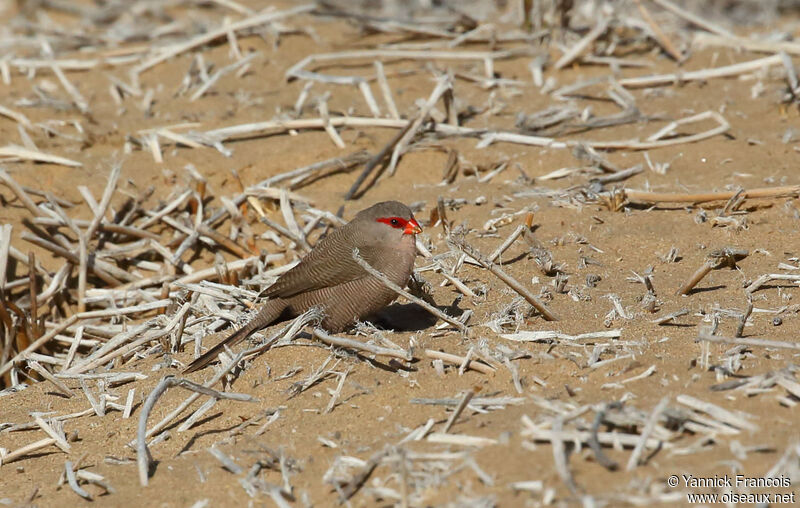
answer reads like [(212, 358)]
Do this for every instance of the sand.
[(376, 407)]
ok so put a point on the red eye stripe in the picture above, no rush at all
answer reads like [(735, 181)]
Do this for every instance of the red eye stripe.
[(395, 222)]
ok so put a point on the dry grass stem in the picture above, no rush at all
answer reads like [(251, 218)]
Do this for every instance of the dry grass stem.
[(667, 318), (767, 343), (582, 45), (400, 291), (560, 456), (251, 21), (386, 91), (717, 259), (705, 74), (693, 18), (360, 346), (460, 360), (298, 69), (637, 196), (443, 84), (143, 457), (502, 275), (61, 387), (460, 440), (652, 420), (702, 39), (662, 39), (373, 163), (56, 433), (7, 458), (11, 153), (5, 244), (737, 421), (762, 280), (462, 405), (542, 335)]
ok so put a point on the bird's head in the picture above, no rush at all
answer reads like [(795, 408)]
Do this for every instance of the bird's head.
[(391, 221)]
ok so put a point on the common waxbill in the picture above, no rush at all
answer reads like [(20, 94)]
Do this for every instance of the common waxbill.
[(330, 278)]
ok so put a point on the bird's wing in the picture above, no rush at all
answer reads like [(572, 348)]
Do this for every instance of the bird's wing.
[(329, 264)]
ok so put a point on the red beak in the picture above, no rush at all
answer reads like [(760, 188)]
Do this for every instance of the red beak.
[(412, 227)]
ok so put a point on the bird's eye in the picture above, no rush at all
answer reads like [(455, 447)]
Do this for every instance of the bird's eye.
[(394, 222)]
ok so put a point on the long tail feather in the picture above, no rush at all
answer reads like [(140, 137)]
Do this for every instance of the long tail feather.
[(268, 313)]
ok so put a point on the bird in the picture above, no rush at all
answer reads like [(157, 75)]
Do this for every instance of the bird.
[(330, 278)]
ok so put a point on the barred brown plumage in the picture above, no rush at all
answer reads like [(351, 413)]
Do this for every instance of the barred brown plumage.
[(330, 278)]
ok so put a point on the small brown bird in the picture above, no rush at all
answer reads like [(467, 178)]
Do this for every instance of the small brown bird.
[(329, 277)]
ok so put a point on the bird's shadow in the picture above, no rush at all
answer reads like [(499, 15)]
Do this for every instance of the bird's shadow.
[(190, 444), (410, 317), (705, 289)]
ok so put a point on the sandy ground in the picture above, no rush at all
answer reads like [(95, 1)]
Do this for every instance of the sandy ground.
[(376, 408)]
